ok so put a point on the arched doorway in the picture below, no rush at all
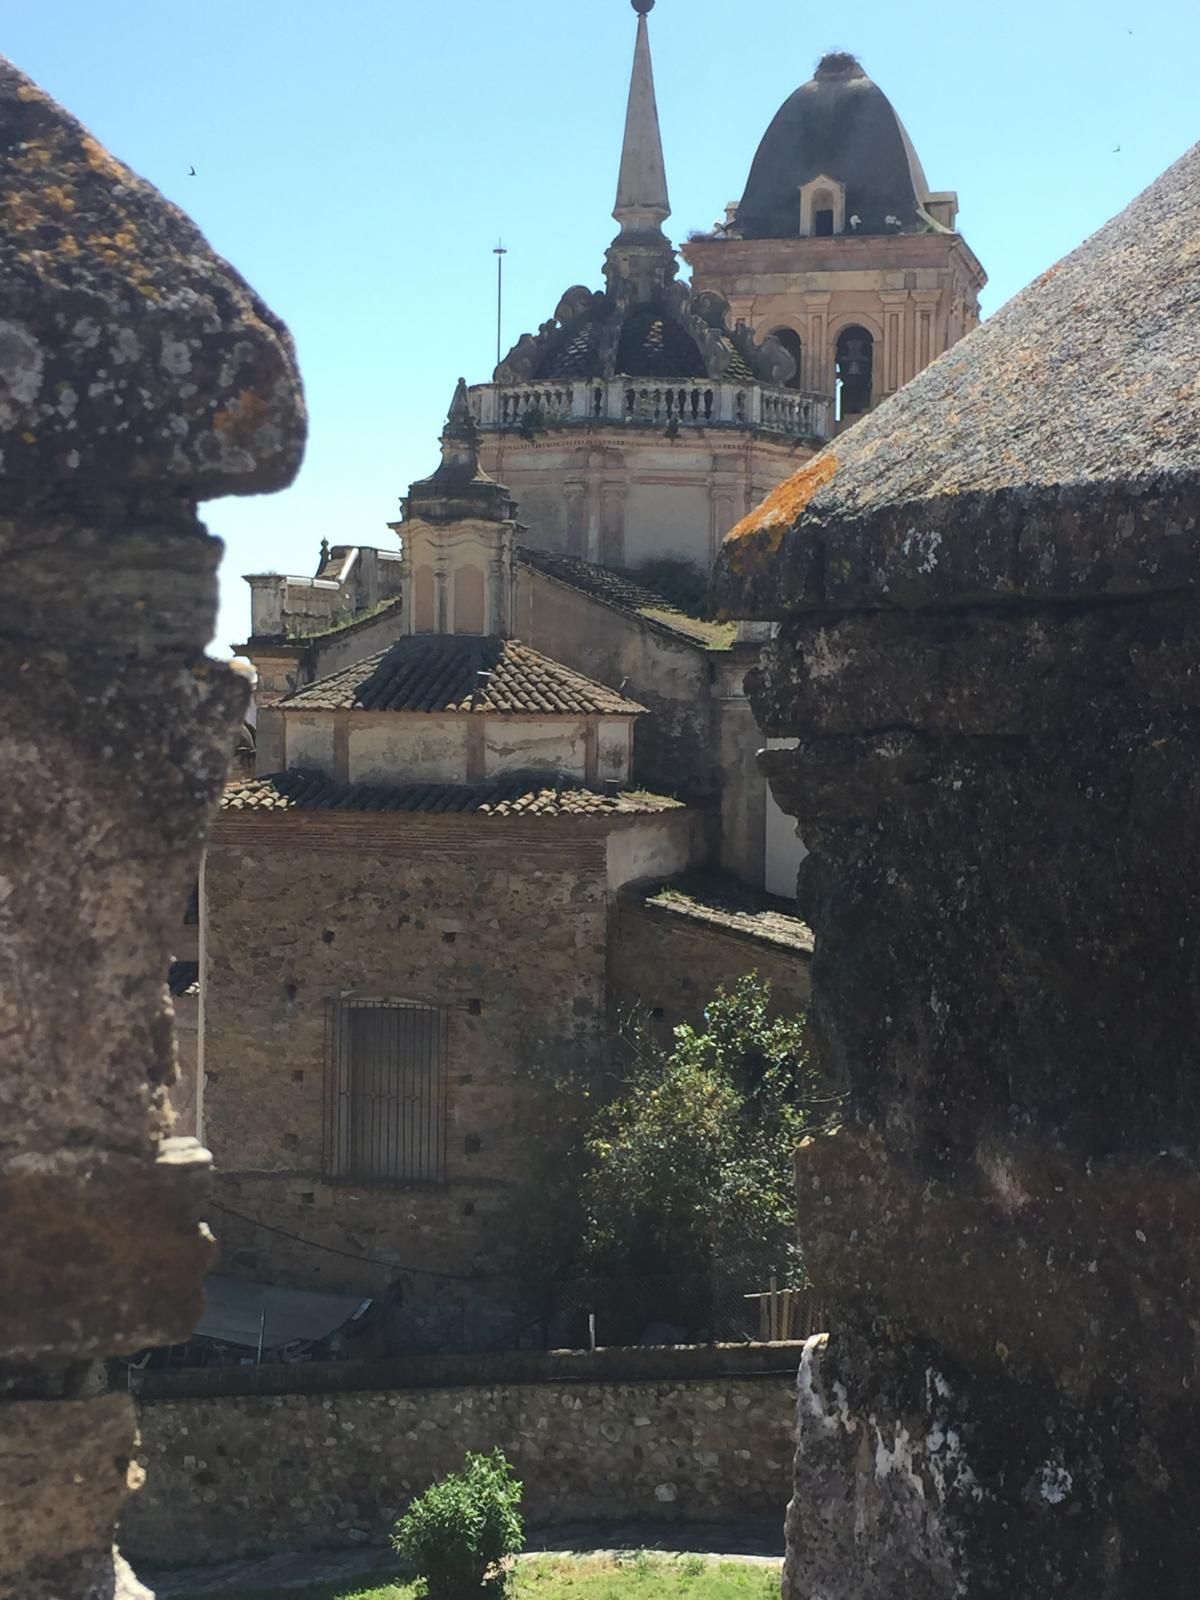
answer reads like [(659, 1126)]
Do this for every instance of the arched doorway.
[(855, 364), (790, 340)]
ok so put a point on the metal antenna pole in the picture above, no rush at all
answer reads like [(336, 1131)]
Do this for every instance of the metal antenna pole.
[(499, 252)]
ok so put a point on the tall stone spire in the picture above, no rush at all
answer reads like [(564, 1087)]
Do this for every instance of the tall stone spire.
[(641, 250)]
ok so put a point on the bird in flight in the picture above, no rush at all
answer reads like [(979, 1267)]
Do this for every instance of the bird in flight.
[(192, 172), (1117, 151)]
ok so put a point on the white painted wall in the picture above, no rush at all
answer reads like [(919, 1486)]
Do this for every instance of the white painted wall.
[(785, 850), (669, 518), (652, 847), (612, 751), (551, 744), (393, 747), (310, 740)]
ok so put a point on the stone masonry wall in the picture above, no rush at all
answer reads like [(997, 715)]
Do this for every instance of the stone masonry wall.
[(671, 963), (502, 925), (235, 1476)]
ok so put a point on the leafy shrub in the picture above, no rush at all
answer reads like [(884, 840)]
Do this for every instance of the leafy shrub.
[(691, 1166), (460, 1532)]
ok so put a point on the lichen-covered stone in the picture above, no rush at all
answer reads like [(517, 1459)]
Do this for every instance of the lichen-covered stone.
[(130, 353), (65, 1470), (999, 800), (138, 375)]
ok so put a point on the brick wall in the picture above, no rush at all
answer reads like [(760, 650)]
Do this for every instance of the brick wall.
[(230, 1477), (502, 925)]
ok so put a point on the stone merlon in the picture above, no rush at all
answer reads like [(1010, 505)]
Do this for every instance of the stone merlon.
[(129, 351), (1054, 452)]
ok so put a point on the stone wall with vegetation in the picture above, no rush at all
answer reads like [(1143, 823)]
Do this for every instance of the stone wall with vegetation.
[(231, 1477), (674, 950)]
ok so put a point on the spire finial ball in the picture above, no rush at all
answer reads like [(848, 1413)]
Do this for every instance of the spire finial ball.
[(643, 7)]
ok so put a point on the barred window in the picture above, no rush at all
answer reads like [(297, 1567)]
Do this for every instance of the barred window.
[(385, 1096)]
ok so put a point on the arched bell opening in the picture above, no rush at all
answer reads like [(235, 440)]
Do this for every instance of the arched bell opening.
[(790, 340), (854, 366)]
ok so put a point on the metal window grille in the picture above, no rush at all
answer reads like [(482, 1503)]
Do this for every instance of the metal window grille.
[(385, 1092)]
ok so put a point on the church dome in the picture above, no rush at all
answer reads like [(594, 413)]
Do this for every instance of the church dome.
[(667, 333), (839, 126)]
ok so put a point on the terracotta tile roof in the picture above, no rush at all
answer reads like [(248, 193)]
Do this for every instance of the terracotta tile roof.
[(1054, 451), (513, 795), (613, 587), (441, 673)]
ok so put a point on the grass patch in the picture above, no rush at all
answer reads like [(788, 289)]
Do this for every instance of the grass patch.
[(640, 1575)]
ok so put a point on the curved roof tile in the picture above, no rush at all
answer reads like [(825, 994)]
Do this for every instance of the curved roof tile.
[(441, 673)]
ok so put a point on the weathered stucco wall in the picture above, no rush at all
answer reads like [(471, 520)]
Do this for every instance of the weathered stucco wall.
[(743, 787), (672, 745), (233, 1476), (659, 847), (624, 495), (183, 1095), (308, 741)]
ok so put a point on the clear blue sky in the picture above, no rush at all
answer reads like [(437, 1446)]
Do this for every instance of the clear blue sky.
[(358, 160)]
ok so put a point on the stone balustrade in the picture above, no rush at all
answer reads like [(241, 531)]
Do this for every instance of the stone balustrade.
[(662, 403)]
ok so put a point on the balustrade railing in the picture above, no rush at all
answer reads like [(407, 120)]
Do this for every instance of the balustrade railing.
[(668, 404)]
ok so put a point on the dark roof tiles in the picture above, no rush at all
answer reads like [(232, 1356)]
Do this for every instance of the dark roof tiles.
[(441, 673), (513, 795), (839, 125), (624, 592)]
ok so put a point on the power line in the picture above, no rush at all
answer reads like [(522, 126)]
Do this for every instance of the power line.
[(350, 1255)]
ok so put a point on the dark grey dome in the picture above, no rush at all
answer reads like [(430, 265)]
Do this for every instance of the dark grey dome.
[(838, 125), (668, 333)]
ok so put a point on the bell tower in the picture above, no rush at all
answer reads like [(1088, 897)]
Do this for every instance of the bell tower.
[(840, 249), (458, 532)]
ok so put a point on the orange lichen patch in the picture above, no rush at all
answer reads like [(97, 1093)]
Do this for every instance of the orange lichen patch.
[(785, 504), (100, 161), (246, 412), (55, 195)]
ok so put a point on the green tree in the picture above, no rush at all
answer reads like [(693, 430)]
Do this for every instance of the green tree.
[(688, 1175)]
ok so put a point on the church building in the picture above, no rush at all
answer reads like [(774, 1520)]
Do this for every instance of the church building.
[(505, 788)]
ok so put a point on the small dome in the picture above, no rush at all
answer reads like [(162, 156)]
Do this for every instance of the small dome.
[(670, 334), (839, 125)]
